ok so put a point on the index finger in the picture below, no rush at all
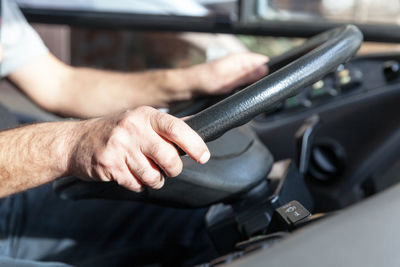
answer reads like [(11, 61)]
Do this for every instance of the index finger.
[(178, 132)]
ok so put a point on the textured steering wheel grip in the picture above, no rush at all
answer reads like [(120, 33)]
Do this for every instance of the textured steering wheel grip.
[(319, 56)]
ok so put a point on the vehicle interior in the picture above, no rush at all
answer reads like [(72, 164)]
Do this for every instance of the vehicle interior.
[(305, 162)]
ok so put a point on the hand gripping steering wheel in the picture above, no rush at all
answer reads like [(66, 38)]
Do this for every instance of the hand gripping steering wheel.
[(292, 72)]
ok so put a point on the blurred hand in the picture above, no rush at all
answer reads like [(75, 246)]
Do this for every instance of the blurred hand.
[(131, 148), (223, 75)]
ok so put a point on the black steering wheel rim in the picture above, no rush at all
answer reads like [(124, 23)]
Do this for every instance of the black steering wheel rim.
[(319, 56)]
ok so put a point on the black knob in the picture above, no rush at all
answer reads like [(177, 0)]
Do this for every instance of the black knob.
[(391, 70), (327, 162)]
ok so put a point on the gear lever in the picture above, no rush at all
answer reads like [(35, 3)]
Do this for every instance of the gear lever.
[(304, 139)]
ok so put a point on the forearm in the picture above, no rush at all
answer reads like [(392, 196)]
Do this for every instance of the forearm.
[(83, 92), (35, 154), (94, 92), (90, 92)]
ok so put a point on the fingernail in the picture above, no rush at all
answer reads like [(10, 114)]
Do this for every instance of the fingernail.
[(205, 157)]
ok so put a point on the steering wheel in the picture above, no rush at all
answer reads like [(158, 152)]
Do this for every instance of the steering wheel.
[(244, 162)]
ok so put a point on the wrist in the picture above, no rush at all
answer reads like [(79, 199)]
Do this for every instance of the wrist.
[(73, 132), (179, 84)]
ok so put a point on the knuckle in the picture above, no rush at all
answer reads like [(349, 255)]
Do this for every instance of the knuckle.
[(169, 160), (136, 121), (124, 122), (102, 174), (130, 184), (177, 169), (125, 135), (116, 137), (140, 172), (127, 121), (104, 159), (151, 179), (154, 150), (166, 122), (173, 128), (172, 164), (160, 184), (143, 112)]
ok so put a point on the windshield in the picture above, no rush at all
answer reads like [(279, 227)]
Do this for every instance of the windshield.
[(355, 11)]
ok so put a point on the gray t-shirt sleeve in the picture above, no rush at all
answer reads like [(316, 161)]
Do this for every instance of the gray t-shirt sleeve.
[(21, 44)]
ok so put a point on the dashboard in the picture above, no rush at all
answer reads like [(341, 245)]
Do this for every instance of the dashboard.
[(360, 75), (357, 141), (354, 155)]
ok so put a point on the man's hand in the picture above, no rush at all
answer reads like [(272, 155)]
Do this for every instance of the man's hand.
[(129, 148), (132, 147), (223, 75), (215, 77)]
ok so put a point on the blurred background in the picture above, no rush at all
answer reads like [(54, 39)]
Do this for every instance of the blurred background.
[(129, 49)]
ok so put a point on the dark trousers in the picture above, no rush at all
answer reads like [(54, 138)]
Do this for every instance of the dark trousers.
[(37, 226)]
